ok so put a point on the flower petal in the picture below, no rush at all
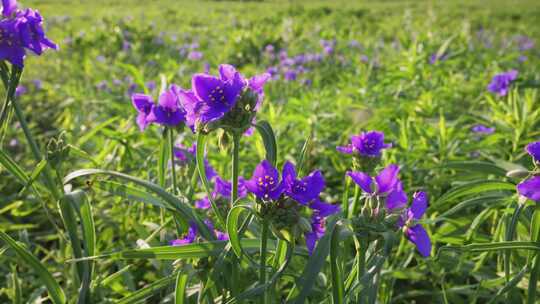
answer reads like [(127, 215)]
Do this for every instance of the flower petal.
[(530, 188), (419, 204), (419, 236), (362, 179), (387, 179)]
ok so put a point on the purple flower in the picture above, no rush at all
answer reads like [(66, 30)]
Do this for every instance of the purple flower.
[(224, 188), (203, 203), (20, 90), (534, 150), (367, 144), (143, 104), (525, 43), (220, 236), (265, 183), (11, 47), (387, 184), (500, 83), (38, 84), (151, 85), (195, 55), (188, 238), (269, 48), (32, 33), (302, 190), (317, 231), (324, 209), (482, 129), (9, 7), (413, 231), (290, 75), (530, 188), (168, 111), (212, 97)]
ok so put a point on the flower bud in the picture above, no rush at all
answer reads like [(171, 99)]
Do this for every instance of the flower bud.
[(517, 173), (304, 224)]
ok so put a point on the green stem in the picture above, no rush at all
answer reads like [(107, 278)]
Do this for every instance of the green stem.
[(262, 267), (173, 169), (49, 179), (533, 280), (345, 198), (235, 164), (355, 206)]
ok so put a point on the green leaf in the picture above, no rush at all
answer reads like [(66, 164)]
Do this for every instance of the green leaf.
[(338, 288), (232, 226), (493, 246), (12, 167), (314, 265), (473, 188), (92, 132), (476, 166), (180, 288), (185, 210), (163, 158), (147, 291), (55, 292), (269, 140), (511, 283)]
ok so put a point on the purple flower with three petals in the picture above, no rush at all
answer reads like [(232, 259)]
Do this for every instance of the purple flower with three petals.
[(387, 184), (302, 190), (265, 183), (212, 97), (414, 231), (530, 188), (534, 150), (143, 104), (168, 111), (369, 144), (500, 83), (482, 129)]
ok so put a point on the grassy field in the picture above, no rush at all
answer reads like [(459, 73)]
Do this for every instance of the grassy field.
[(417, 71)]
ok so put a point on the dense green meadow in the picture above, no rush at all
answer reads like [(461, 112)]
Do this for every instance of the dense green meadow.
[(417, 71)]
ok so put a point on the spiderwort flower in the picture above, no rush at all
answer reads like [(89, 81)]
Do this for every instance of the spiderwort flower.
[(386, 184), (9, 7), (143, 104), (500, 83), (414, 231), (168, 111), (223, 188), (482, 129), (32, 33), (534, 150), (265, 183), (530, 188), (324, 209), (317, 231), (302, 190), (369, 144), (189, 238), (11, 48)]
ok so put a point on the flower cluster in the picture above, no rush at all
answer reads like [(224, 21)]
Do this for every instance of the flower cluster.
[(21, 30), (530, 188), (282, 197), (386, 188), (500, 83), (368, 144), (228, 101)]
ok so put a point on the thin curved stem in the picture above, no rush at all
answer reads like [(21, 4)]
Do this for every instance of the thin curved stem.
[(235, 166), (173, 169)]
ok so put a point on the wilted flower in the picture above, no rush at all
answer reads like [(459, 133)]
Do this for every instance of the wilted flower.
[(265, 183), (414, 231), (302, 190), (534, 150), (500, 84), (368, 144), (482, 129)]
